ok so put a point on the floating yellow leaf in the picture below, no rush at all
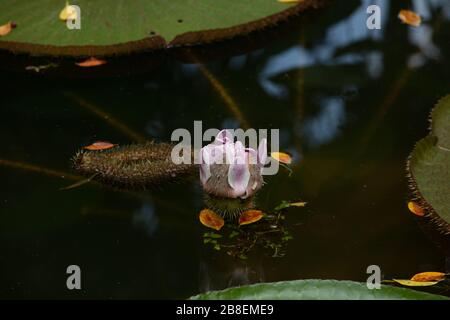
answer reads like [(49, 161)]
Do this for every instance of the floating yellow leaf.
[(415, 208), (282, 157), (250, 216), (211, 219), (100, 145), (6, 28), (68, 13), (411, 283), (428, 276), (297, 204), (409, 17), (91, 62), (286, 204)]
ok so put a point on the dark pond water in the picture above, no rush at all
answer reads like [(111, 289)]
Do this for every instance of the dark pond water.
[(349, 102)]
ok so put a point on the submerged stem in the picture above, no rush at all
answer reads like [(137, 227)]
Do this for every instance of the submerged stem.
[(104, 116)]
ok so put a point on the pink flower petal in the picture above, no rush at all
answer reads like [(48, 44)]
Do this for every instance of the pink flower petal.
[(223, 137), (262, 152), (252, 156), (238, 178), (205, 172), (230, 153), (213, 154), (240, 156)]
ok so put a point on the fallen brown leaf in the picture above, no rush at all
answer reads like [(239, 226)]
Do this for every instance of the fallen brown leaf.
[(415, 208), (6, 28), (410, 17), (250, 216), (100, 145), (282, 157), (211, 219), (428, 276), (68, 13), (91, 62)]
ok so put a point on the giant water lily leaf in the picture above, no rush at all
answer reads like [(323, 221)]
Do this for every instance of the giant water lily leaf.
[(315, 290), (123, 26), (429, 167)]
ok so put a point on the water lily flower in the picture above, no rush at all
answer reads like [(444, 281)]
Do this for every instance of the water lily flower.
[(240, 164)]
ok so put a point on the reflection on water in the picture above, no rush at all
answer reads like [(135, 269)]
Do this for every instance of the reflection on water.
[(325, 126), (146, 219), (348, 108)]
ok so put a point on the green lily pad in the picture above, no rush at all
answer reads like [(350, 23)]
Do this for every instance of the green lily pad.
[(429, 167), (315, 290), (123, 26)]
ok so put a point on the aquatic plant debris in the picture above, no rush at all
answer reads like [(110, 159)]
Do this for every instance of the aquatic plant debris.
[(415, 208), (270, 235), (91, 62), (212, 238), (410, 17), (297, 204), (211, 219), (428, 276), (250, 216), (38, 69), (281, 157), (286, 204), (79, 183), (68, 13), (6, 28), (100, 145)]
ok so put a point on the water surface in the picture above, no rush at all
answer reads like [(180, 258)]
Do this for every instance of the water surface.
[(349, 102)]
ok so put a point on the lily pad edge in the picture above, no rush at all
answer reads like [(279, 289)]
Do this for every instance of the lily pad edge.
[(157, 42)]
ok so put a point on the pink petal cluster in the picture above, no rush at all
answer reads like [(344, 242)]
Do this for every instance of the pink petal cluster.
[(225, 151)]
